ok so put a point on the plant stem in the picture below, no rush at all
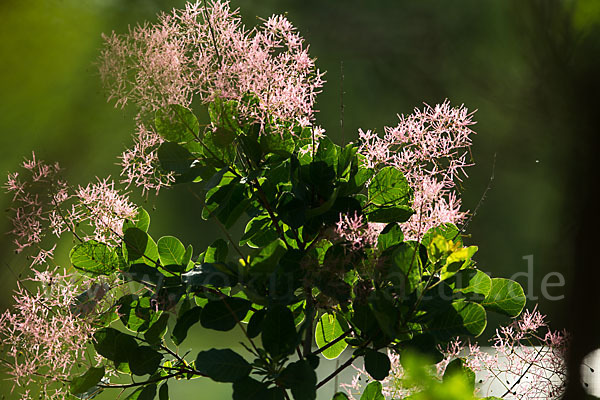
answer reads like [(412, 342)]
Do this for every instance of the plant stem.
[(130, 385), (337, 371), (310, 320), (328, 345)]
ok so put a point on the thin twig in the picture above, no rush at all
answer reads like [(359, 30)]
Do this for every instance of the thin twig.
[(333, 342), (483, 196)]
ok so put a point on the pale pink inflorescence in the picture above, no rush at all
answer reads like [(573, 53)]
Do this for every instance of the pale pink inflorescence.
[(45, 205), (431, 148), (36, 191), (526, 361), (140, 164), (209, 53), (357, 232), (104, 209), (45, 336)]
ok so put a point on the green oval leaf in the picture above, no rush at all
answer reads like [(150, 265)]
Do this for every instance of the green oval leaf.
[(147, 392), (163, 392), (94, 258), (141, 221), (87, 381), (279, 335), (329, 328), (408, 267), (301, 379), (255, 324), (177, 124), (472, 283), (145, 360), (459, 318), (174, 157), (184, 323), (139, 247), (157, 330), (390, 188), (170, 250), (505, 297), (390, 236), (222, 365), (114, 345), (216, 252), (224, 314), (373, 392), (377, 364), (389, 214), (458, 368)]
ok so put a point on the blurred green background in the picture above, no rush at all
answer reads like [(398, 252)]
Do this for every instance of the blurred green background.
[(528, 67)]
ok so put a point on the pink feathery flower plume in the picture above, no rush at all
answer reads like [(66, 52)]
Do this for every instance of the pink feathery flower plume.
[(357, 232), (207, 52), (431, 148), (44, 205), (45, 335), (526, 361), (36, 191), (140, 164), (105, 210)]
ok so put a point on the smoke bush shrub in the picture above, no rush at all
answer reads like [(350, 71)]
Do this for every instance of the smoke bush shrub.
[(345, 248)]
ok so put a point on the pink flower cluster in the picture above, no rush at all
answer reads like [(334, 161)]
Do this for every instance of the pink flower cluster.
[(357, 232), (36, 191), (527, 360), (523, 363), (208, 52), (45, 204), (430, 147), (140, 165), (104, 209), (45, 337)]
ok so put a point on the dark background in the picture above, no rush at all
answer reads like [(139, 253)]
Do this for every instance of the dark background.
[(530, 68)]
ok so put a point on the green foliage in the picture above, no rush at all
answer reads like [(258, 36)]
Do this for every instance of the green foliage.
[(157, 330), (145, 361), (300, 377), (389, 188), (177, 124), (340, 396), (87, 381), (95, 258), (171, 251), (377, 364), (373, 392), (279, 336), (457, 382), (286, 275), (224, 314), (505, 297), (139, 247), (184, 323), (457, 369), (147, 392), (457, 318), (328, 329), (222, 365), (251, 389), (163, 392)]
